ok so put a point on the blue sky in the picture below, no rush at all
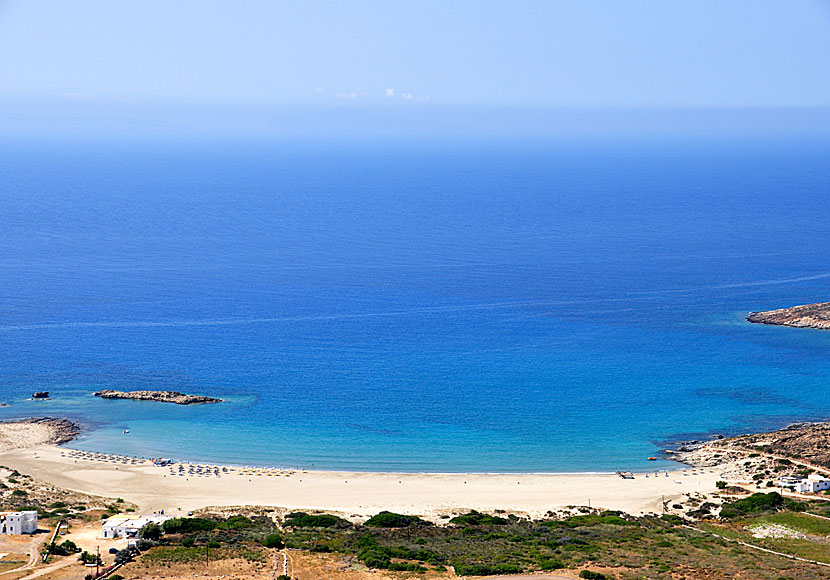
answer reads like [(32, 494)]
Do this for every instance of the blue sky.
[(532, 54)]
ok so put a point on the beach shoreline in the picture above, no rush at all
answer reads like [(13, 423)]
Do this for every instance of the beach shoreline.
[(184, 487)]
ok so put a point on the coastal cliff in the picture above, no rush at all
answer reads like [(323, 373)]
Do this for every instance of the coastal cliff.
[(805, 316), (158, 396)]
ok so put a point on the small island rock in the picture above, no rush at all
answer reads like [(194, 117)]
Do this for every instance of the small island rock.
[(159, 396)]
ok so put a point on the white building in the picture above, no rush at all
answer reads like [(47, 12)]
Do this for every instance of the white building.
[(128, 526), (813, 484), (18, 522), (789, 481)]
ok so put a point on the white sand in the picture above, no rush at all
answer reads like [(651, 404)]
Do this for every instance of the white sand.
[(23, 435), (362, 494)]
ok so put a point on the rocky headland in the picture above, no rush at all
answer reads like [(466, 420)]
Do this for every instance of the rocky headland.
[(795, 446), (158, 396), (36, 431), (804, 316)]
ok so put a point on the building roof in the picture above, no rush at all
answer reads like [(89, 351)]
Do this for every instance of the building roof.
[(133, 521)]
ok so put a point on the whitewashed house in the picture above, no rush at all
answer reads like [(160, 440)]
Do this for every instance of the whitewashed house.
[(16, 523), (789, 481), (813, 484), (128, 526)]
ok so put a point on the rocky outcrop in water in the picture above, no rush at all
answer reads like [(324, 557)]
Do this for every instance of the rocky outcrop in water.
[(805, 316), (158, 396)]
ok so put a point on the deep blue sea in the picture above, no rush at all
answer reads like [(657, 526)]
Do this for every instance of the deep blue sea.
[(523, 306)]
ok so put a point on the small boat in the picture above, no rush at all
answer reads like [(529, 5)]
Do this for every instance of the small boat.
[(126, 431), (652, 458)]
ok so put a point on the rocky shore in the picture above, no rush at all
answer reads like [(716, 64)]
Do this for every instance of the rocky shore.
[(63, 430), (37, 431), (740, 457), (158, 396), (804, 316)]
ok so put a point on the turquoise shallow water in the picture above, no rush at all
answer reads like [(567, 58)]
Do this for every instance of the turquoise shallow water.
[(419, 307)]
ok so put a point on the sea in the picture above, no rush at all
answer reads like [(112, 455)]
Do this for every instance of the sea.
[(422, 305)]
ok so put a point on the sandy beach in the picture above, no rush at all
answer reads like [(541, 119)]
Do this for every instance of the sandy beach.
[(185, 487)]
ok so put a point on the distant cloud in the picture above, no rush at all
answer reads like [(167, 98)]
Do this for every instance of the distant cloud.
[(406, 96), (390, 92), (318, 90), (352, 94)]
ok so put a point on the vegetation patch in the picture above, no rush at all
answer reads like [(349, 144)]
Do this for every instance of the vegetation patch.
[(759, 503), (475, 518), (186, 525), (392, 520), (793, 520), (303, 520)]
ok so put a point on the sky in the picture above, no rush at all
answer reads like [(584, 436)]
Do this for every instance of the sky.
[(533, 54)]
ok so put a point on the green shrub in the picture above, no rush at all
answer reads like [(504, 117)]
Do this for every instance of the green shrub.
[(551, 564), (144, 545), (392, 520), (88, 558), (486, 569), (402, 567), (588, 575), (373, 555), (236, 523), (303, 520), (64, 549), (273, 541), (151, 531), (185, 525), (474, 518), (760, 502), (595, 520)]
